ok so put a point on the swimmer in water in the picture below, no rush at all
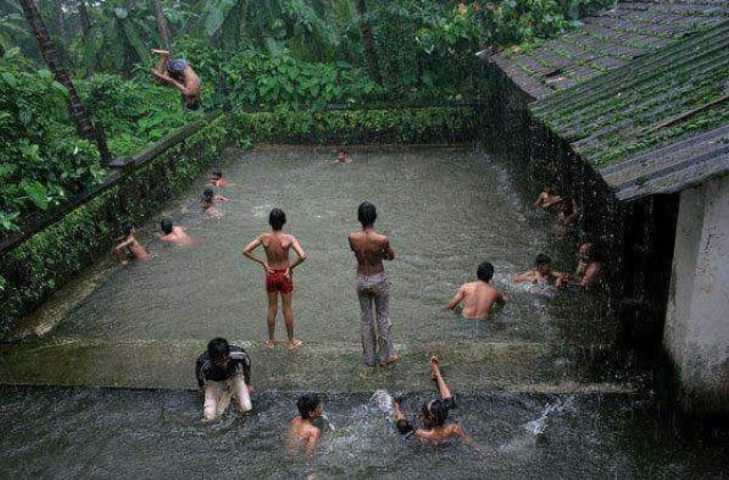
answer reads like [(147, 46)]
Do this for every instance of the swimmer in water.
[(566, 218), (279, 273), (478, 297), (174, 234), (547, 198), (209, 200), (128, 246), (373, 287), (589, 265), (223, 371), (217, 180), (303, 434), (342, 156), (542, 274), (434, 415)]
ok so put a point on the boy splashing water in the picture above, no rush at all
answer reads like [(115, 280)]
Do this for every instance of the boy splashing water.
[(434, 414), (279, 271)]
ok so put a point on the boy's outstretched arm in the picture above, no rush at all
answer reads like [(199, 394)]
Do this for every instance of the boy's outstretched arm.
[(457, 298)]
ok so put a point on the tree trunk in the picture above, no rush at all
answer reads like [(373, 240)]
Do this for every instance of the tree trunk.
[(83, 14), (242, 5), (373, 64), (60, 20), (85, 22), (164, 31), (80, 116)]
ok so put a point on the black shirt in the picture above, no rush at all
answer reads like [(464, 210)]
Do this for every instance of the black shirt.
[(206, 370)]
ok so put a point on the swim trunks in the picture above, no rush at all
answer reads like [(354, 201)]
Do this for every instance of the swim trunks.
[(278, 281)]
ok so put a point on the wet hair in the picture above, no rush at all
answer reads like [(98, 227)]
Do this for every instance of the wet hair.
[(127, 229), (194, 105), (485, 272), (436, 412), (366, 214), (596, 251), (218, 173), (567, 206), (542, 259), (166, 225), (277, 219), (208, 194), (307, 404), (218, 347)]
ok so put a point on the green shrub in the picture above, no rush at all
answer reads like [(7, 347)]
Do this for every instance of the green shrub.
[(413, 125), (134, 113), (42, 159)]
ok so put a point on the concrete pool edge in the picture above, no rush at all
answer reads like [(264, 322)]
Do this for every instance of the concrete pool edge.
[(470, 366)]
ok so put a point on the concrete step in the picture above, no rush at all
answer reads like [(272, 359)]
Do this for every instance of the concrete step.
[(469, 366)]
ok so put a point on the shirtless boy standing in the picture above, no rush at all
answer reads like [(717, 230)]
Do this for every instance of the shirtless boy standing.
[(175, 234), (279, 273), (478, 297), (373, 287), (128, 246), (302, 431)]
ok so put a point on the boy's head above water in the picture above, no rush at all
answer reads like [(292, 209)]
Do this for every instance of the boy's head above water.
[(217, 174), (127, 229), (277, 219), (485, 272), (309, 406), (435, 413), (366, 214), (218, 351), (543, 264), (166, 225)]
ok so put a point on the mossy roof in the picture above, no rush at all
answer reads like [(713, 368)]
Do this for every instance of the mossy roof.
[(656, 125), (608, 40)]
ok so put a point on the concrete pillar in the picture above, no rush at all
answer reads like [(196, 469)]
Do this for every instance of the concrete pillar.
[(697, 320)]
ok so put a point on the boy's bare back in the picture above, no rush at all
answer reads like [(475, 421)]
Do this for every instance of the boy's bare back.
[(478, 298), (370, 248), (277, 246)]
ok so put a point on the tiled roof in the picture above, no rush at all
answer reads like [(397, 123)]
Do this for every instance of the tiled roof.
[(609, 40), (657, 124)]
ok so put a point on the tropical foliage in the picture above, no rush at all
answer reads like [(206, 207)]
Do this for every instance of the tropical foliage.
[(282, 56)]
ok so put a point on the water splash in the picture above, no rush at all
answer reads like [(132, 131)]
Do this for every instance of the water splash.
[(328, 422), (539, 425), (384, 402), (534, 429)]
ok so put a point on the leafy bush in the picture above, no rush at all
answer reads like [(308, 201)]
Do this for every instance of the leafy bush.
[(414, 125), (42, 159), (134, 113), (265, 81)]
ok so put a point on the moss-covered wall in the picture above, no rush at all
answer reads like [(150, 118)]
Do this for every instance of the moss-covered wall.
[(47, 260), (406, 126)]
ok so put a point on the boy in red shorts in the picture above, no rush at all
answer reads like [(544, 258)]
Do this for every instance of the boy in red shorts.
[(278, 273)]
